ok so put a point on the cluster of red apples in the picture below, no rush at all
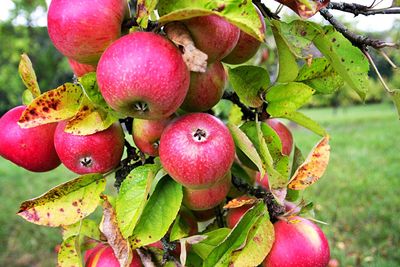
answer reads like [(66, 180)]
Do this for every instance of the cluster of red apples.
[(143, 75)]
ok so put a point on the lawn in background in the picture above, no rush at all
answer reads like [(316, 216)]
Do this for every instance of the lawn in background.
[(358, 196)]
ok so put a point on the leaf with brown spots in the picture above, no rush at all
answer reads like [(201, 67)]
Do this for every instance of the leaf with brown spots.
[(144, 8), (109, 227), (238, 202), (305, 8), (89, 119), (258, 244), (69, 254), (84, 228), (240, 13), (52, 106), (28, 75), (65, 204), (313, 167), (195, 59)]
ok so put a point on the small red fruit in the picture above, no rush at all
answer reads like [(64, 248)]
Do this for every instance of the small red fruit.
[(213, 35), (143, 75), (207, 198), (197, 150), (298, 243), (82, 30), (103, 256), (30, 148), (80, 69), (96, 153), (147, 133), (206, 89), (284, 134)]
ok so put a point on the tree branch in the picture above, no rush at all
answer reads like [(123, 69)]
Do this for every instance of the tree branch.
[(266, 12), (358, 9), (360, 41)]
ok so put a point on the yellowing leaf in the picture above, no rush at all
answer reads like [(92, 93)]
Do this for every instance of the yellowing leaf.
[(28, 75), (238, 202), (65, 204), (69, 254), (313, 167), (55, 105)]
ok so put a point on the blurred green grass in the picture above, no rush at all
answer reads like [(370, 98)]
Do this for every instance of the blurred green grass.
[(358, 196)]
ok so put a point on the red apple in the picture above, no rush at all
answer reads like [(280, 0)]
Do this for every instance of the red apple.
[(284, 134), (206, 88), (197, 150), (82, 30), (298, 243), (213, 35), (246, 47), (93, 250), (234, 215), (80, 69), (143, 75), (147, 133), (207, 198), (30, 148), (262, 182), (96, 153), (103, 256)]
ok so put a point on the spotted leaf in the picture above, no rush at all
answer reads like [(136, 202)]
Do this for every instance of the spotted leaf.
[(313, 167), (69, 254), (305, 8), (52, 106), (28, 75), (65, 204)]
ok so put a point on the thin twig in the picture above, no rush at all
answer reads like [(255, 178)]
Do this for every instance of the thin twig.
[(358, 9), (360, 41), (265, 11), (371, 61)]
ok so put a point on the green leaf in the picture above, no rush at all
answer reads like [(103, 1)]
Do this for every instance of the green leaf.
[(69, 254), (249, 82), (221, 255), (27, 97), (243, 143), (214, 238), (52, 106), (132, 197), (82, 228), (159, 213), (288, 68), (238, 12), (298, 159), (284, 99), (28, 75), (320, 76), (306, 122), (259, 243), (144, 8), (395, 94), (347, 60), (65, 204)]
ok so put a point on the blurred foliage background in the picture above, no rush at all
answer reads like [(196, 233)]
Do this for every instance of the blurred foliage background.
[(357, 196)]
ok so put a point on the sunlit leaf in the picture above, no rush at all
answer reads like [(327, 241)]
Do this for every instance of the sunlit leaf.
[(144, 8), (109, 227), (65, 204), (159, 213), (249, 82), (52, 106), (214, 238), (132, 197), (82, 228), (28, 75), (313, 167), (284, 99), (245, 17), (69, 254), (306, 122), (258, 244)]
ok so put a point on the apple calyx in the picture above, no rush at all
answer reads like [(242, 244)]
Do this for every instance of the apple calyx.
[(200, 135)]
